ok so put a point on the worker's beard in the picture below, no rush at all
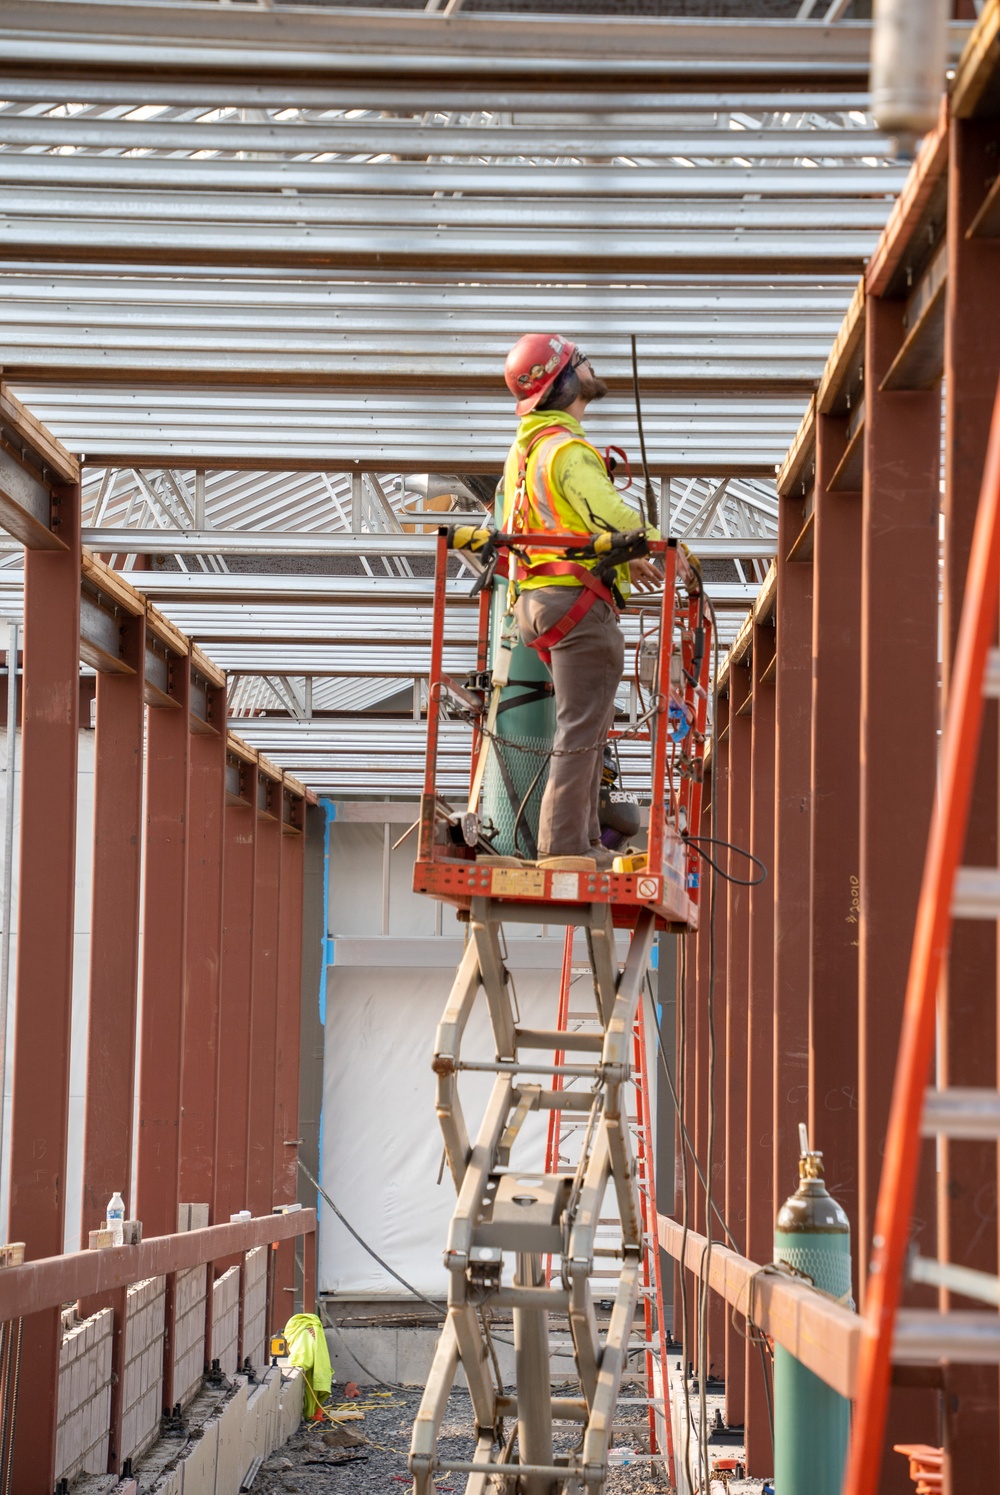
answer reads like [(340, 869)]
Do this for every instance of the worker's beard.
[(591, 388)]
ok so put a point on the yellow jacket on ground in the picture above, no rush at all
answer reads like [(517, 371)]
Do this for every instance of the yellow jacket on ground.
[(568, 490)]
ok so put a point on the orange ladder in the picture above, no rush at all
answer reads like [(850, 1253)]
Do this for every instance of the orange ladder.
[(654, 1323), (948, 892)]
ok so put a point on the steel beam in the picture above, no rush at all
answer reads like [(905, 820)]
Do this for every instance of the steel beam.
[(760, 1207), (264, 997), (239, 859), (287, 1041), (834, 884), (200, 1071), (44, 963), (734, 907), (114, 929), (967, 1220), (899, 701), (792, 842), (57, 1280), (164, 952)]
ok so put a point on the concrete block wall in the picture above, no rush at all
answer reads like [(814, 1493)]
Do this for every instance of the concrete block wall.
[(226, 1320), (253, 1423), (255, 1307), (143, 1382), (84, 1395), (189, 1332)]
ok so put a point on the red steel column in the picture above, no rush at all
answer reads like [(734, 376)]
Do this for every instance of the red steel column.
[(114, 931), (164, 940), (718, 1321), (834, 884), (286, 1056), (234, 998), (792, 833), (760, 1025), (199, 1075), (734, 906), (44, 968), (899, 640), (687, 999), (264, 1001), (967, 1182)]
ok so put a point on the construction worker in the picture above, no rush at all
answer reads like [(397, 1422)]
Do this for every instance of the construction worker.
[(566, 609)]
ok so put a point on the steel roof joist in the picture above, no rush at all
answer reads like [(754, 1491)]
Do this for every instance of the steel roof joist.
[(451, 97), (473, 250), (403, 138), (247, 42), (159, 173)]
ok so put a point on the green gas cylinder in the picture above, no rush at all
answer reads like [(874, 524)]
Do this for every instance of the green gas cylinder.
[(811, 1421), (518, 765)]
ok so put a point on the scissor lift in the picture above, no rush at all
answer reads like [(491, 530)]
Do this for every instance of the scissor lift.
[(529, 1441)]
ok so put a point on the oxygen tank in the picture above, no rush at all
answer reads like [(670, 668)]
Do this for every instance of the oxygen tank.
[(811, 1422), (518, 766)]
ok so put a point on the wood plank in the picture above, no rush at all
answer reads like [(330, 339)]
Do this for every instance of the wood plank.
[(207, 667), (924, 187), (110, 584), (800, 453), (167, 633), (49, 452), (977, 77), (845, 356)]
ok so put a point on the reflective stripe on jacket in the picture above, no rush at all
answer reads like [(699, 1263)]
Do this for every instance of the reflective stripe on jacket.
[(567, 491)]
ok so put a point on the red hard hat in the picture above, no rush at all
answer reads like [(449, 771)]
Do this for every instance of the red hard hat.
[(533, 366)]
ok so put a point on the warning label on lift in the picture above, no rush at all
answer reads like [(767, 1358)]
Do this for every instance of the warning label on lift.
[(521, 882)]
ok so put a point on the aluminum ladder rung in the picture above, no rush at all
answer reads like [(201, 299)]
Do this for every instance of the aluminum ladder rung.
[(977, 893), (983, 1286), (968, 1113), (924, 1337)]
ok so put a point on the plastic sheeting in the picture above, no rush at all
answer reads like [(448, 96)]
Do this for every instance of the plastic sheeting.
[(382, 1151)]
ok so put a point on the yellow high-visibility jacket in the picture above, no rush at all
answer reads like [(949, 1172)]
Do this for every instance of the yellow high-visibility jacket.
[(568, 491)]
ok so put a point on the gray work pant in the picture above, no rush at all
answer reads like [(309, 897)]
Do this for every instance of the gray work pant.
[(586, 671)]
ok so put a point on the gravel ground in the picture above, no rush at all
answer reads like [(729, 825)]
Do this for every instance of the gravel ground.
[(329, 1460)]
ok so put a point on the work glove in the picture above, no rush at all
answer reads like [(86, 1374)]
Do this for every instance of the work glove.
[(470, 537)]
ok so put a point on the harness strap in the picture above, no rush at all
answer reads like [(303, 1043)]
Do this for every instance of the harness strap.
[(593, 590)]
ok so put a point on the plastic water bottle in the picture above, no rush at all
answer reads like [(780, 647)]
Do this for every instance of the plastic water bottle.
[(116, 1219)]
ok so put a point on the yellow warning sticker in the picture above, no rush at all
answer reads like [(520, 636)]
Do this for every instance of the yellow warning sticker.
[(517, 882)]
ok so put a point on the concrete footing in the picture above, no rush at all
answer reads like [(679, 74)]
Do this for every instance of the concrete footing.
[(402, 1355)]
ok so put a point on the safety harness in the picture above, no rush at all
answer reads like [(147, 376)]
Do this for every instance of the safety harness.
[(521, 567)]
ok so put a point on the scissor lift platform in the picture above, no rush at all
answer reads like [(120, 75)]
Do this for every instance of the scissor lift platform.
[(509, 1221), (663, 893)]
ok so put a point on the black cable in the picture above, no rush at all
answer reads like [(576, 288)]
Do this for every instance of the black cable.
[(741, 882), (654, 515), (365, 1246)]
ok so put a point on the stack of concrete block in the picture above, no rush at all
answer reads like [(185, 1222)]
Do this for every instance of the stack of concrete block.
[(143, 1381), (84, 1395), (255, 1307), (226, 1320), (253, 1423), (189, 1332)]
